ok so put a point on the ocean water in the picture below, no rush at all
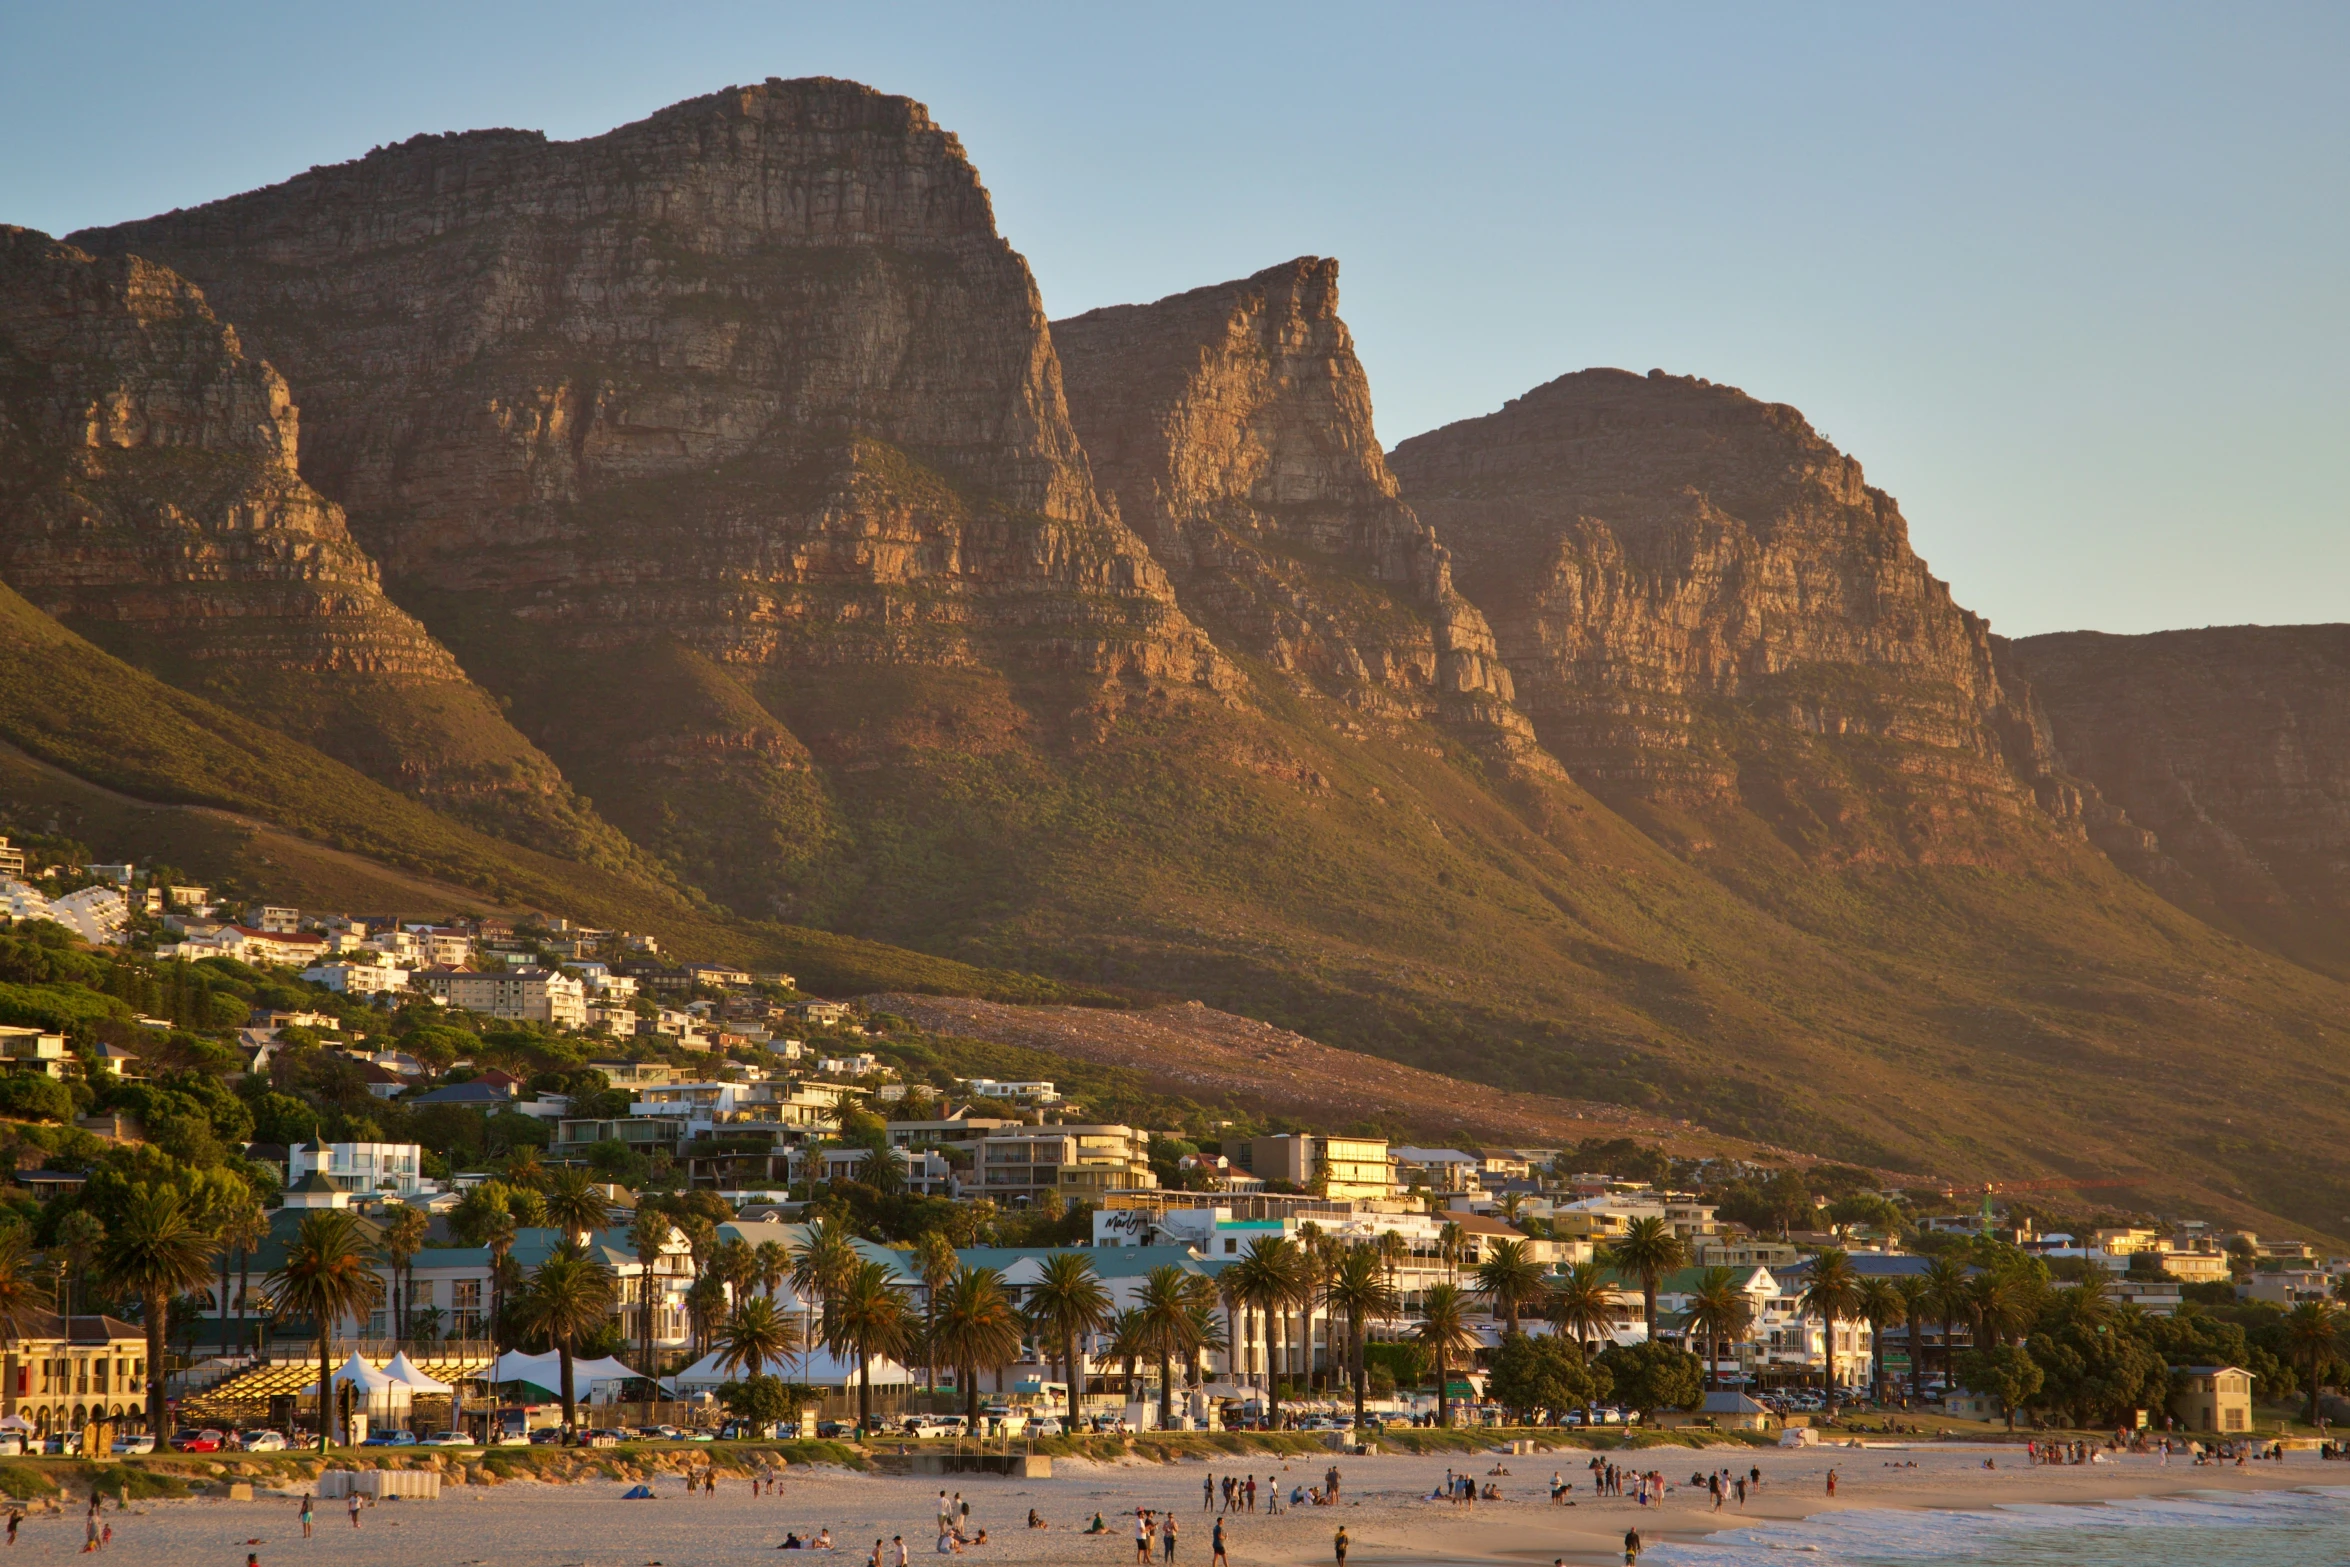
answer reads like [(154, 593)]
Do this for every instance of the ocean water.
[(2303, 1528)]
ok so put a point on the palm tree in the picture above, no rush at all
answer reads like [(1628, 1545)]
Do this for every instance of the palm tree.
[(1583, 1301), (156, 1251), (934, 1261), (2313, 1331), (821, 1265), (498, 1232), (1946, 1297), (575, 1204), (756, 1336), (648, 1237), (1511, 1279), (1169, 1331), (1832, 1293), (1232, 1291), (867, 1314), (1451, 1240), (1393, 1248), (1997, 1303), (1719, 1312), (325, 1277), (21, 1292), (1648, 1250), (403, 1238), (569, 1297), (1268, 1278), (1067, 1301), (706, 1307), (1912, 1290), (1359, 1288), (771, 1267), (239, 1226), (1444, 1330), (1126, 1343), (1880, 1303), (1201, 1294)]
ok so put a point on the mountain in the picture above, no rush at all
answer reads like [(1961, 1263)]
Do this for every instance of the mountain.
[(748, 389), (149, 498), (2231, 747), (1233, 424), (1615, 746)]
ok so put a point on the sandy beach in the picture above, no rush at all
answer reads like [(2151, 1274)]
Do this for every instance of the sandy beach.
[(1388, 1520)]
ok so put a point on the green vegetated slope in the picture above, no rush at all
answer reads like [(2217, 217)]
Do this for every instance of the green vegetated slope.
[(2035, 1013), (121, 759)]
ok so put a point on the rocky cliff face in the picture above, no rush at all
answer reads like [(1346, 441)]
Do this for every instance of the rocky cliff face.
[(2231, 746), (1233, 424), (756, 372), (149, 498), (1704, 603)]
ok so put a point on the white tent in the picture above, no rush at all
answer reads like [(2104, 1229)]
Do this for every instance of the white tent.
[(402, 1369), (379, 1394), (820, 1368), (547, 1371)]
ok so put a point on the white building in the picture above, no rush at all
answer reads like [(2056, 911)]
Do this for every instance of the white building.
[(1036, 1092), (33, 1048), (393, 1169), (357, 979), (95, 913), (529, 995)]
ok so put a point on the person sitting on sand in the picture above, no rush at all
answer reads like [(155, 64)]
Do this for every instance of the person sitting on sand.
[(947, 1542), (823, 1541), (981, 1537), (1097, 1526), (792, 1542), (1034, 1522)]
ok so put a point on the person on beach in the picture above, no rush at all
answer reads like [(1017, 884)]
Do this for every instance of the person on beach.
[(1207, 1494), (1142, 1538), (944, 1512), (1097, 1526), (1631, 1546), (354, 1509), (16, 1517), (1216, 1556), (305, 1520), (874, 1560), (1831, 1482), (1339, 1545), (1167, 1537), (897, 1543)]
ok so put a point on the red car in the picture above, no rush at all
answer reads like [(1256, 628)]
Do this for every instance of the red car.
[(197, 1441)]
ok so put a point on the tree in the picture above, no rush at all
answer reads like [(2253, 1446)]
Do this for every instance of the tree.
[(1359, 1287), (867, 1314), (757, 1336), (976, 1325), (1583, 1301), (239, 1226), (1880, 1302), (1719, 1312), (1266, 1278), (1653, 1375), (934, 1261), (1444, 1333), (1946, 1297), (21, 1292), (325, 1277), (1648, 1250), (156, 1251), (1511, 1279), (2313, 1333), (821, 1265), (1543, 1371), (569, 1297), (1168, 1329), (575, 1204), (1451, 1241), (764, 1401), (1998, 1305), (1067, 1301), (1832, 1293), (403, 1237), (1912, 1290), (648, 1238), (2006, 1373)]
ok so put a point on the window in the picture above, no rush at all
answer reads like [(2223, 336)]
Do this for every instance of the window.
[(465, 1294), (2235, 1420)]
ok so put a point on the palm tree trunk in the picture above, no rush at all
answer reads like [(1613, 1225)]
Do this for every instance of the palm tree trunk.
[(326, 1391), (1443, 1391), (1069, 1369), (864, 1391), (157, 1307), (1354, 1334), (224, 1300), (970, 1376), (1166, 1391), (570, 1406)]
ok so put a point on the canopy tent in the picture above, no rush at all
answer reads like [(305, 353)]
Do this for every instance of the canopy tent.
[(547, 1371), (402, 1369), (819, 1368), (378, 1392), (15, 1423)]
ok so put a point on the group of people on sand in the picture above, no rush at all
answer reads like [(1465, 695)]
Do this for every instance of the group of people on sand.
[(1725, 1484), (1240, 1492), (1462, 1490)]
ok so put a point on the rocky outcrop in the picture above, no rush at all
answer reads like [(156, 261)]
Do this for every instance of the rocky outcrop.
[(2231, 746), (755, 373), (1704, 603), (1233, 423), (149, 498)]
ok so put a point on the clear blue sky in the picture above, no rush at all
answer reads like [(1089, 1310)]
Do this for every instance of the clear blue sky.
[(2070, 280)]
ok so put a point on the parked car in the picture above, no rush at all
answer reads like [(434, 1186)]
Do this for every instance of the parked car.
[(830, 1430), (606, 1438), (550, 1436), (1045, 1425), (391, 1439), (138, 1443), (511, 1438), (197, 1441), (65, 1444), (265, 1441), (448, 1439)]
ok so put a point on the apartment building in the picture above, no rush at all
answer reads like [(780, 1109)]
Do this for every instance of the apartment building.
[(389, 1169), (527, 995), (1343, 1169), (1083, 1163)]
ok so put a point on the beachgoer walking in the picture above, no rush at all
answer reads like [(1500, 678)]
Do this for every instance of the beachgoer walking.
[(1631, 1546), (1831, 1482), (305, 1517), (1216, 1557), (354, 1509), (1339, 1545), (1207, 1494)]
